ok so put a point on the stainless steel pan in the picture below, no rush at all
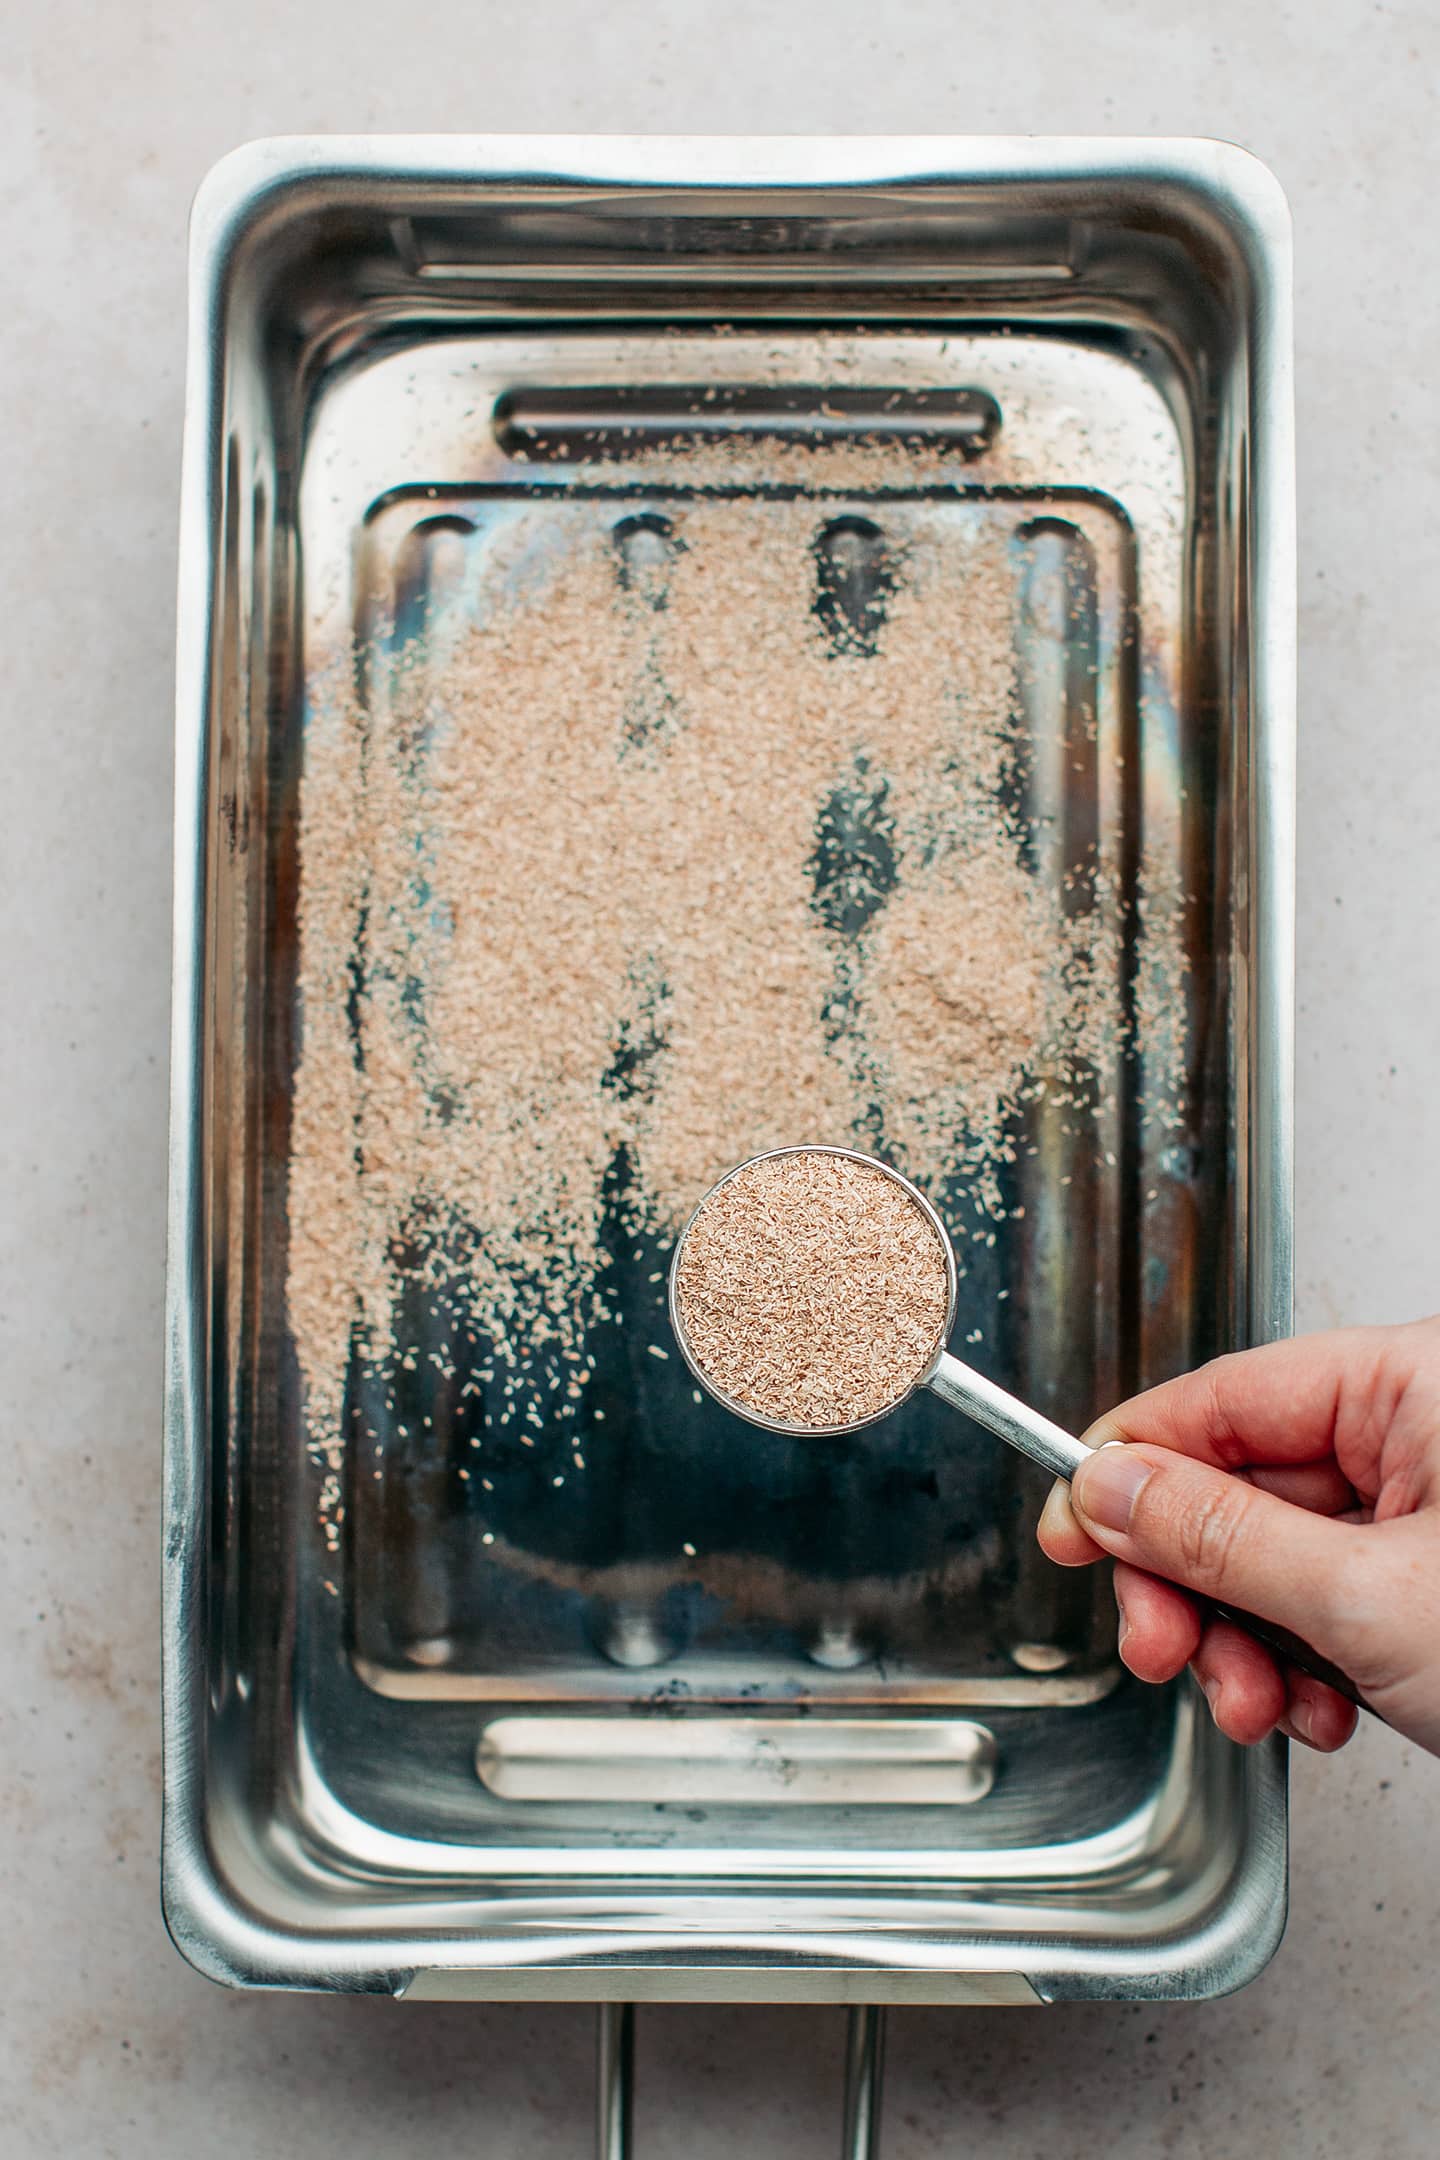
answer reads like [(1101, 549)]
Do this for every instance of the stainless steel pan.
[(454, 1771)]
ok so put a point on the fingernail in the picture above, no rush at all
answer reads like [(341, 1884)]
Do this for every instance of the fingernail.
[(1056, 1515), (1213, 1690), (1301, 1716), (1107, 1485)]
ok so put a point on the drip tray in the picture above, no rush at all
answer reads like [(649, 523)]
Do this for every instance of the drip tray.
[(498, 1550)]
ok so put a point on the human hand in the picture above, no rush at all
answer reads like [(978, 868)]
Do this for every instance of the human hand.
[(1299, 1482)]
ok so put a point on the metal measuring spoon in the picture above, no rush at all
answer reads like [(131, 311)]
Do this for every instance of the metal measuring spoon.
[(960, 1385)]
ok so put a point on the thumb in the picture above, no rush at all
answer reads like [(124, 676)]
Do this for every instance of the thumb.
[(1215, 1533)]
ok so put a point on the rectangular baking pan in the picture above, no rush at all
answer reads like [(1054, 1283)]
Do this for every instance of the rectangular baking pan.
[(402, 1758)]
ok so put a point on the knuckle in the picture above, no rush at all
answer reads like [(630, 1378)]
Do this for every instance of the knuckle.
[(1209, 1529), (1215, 1381)]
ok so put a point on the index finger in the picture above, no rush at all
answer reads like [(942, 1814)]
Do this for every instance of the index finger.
[(1286, 1403)]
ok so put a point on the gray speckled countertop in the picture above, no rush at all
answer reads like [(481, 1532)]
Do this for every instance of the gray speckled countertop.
[(109, 2045)]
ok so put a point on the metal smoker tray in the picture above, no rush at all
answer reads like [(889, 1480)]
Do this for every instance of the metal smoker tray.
[(911, 1769)]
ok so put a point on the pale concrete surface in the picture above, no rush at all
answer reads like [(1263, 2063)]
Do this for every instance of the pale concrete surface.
[(110, 2045)]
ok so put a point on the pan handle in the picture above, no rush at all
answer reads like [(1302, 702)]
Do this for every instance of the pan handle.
[(615, 2081), (864, 2081)]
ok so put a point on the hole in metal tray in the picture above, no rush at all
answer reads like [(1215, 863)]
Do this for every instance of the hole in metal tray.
[(627, 420)]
